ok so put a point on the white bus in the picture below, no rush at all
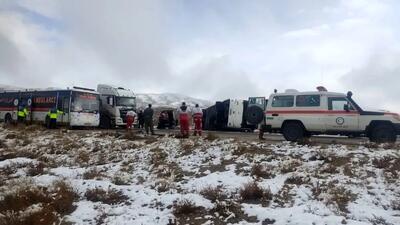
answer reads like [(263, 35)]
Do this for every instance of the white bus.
[(80, 106)]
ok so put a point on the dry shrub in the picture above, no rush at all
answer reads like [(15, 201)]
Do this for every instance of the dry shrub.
[(186, 148), (229, 212), (341, 197), (382, 163), (35, 169), (290, 166), (211, 136), (63, 197), (329, 168), (110, 196), (171, 171), (259, 171), (284, 197), (337, 161), (53, 203), (93, 173), (185, 207), (158, 157), (119, 179), (252, 193), (297, 180), (83, 157), (213, 193), (395, 204)]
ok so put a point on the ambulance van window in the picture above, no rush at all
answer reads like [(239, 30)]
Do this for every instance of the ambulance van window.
[(283, 101), (308, 100)]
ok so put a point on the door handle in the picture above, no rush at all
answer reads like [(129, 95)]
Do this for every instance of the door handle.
[(275, 114)]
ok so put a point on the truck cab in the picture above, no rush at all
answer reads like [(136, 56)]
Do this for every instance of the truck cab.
[(300, 114), (115, 103)]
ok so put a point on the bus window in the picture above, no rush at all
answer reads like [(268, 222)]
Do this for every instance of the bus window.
[(85, 102)]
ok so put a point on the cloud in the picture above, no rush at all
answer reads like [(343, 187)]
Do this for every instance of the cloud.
[(376, 84)]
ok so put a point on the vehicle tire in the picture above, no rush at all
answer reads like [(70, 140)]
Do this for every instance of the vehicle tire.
[(254, 115), (293, 131), (47, 122), (383, 133), (8, 119)]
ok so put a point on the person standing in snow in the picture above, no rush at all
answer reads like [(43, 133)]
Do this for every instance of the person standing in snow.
[(140, 119), (22, 113), (183, 113), (148, 120), (197, 119), (130, 119)]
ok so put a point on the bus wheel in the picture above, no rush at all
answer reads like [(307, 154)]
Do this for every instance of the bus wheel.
[(8, 119)]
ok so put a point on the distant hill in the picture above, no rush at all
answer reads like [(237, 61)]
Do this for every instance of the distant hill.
[(169, 100)]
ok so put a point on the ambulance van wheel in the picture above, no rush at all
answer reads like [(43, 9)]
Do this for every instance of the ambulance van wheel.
[(293, 131), (8, 119), (382, 133)]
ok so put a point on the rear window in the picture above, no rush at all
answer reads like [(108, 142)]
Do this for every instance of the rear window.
[(283, 101), (308, 100)]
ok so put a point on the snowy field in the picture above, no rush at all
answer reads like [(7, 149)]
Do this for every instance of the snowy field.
[(92, 177)]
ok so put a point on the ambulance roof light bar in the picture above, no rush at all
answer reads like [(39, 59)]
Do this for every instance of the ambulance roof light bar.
[(321, 88)]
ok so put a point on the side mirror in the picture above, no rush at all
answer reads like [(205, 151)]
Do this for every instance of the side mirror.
[(346, 107)]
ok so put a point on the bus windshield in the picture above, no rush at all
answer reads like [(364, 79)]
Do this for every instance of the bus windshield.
[(85, 102), (126, 101)]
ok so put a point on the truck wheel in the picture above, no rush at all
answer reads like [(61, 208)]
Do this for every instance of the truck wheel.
[(293, 131), (8, 119), (382, 133)]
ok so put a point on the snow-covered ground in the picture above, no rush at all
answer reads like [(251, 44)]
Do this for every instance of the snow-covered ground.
[(201, 180)]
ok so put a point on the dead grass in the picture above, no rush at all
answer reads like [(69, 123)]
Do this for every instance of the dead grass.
[(284, 197), (185, 207), (341, 197), (213, 193), (296, 180), (93, 173), (252, 193), (119, 179), (110, 196), (3, 144), (54, 202), (35, 169), (259, 171), (382, 163), (83, 158), (290, 166)]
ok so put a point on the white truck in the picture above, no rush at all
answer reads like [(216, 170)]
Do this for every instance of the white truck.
[(301, 114), (115, 103)]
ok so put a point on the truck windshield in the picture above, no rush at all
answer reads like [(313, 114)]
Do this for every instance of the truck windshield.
[(126, 101), (85, 102)]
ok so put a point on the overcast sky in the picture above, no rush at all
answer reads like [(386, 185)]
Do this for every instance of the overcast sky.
[(206, 49)]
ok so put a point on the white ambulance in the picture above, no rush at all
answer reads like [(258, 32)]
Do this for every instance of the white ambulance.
[(301, 114)]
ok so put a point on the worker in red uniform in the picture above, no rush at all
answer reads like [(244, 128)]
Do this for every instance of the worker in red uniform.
[(183, 113), (197, 120), (130, 118)]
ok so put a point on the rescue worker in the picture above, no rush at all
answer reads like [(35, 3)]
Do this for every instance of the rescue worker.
[(130, 119), (197, 119), (183, 113), (140, 119), (148, 120), (22, 113), (53, 115)]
